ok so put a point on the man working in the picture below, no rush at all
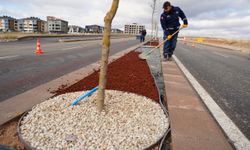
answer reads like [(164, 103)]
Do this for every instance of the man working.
[(170, 23)]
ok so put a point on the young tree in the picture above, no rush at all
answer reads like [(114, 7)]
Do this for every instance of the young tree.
[(105, 54)]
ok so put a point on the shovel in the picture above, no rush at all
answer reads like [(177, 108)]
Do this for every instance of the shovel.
[(145, 55)]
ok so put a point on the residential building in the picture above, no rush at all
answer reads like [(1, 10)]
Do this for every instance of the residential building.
[(8, 24), (116, 31), (94, 29), (46, 30), (133, 29), (75, 29), (31, 25), (56, 25)]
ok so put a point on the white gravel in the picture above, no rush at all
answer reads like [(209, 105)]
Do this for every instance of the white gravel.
[(130, 121)]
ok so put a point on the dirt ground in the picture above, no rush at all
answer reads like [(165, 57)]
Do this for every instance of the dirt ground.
[(128, 73), (240, 45), (8, 135)]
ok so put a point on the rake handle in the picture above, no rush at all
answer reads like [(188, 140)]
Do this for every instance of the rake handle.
[(167, 39)]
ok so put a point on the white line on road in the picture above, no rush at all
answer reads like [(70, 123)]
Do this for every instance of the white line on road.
[(234, 134), (226, 56), (71, 48), (7, 57)]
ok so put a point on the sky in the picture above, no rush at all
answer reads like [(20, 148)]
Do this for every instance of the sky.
[(213, 18)]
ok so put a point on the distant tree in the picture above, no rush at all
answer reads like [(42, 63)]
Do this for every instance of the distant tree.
[(105, 54)]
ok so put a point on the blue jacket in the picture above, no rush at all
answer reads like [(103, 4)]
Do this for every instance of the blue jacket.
[(170, 21)]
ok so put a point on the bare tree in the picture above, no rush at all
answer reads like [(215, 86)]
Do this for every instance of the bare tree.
[(105, 54)]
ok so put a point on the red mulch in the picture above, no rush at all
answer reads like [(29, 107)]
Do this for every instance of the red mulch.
[(128, 73), (153, 42)]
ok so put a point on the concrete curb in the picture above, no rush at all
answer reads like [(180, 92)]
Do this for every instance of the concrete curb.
[(17, 105), (90, 39)]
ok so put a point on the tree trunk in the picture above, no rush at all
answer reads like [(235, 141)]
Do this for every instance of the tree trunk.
[(105, 54)]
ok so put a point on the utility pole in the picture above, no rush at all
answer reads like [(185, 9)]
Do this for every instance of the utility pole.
[(153, 6)]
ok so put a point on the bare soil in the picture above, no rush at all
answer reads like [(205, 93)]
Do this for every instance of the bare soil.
[(240, 45), (9, 136)]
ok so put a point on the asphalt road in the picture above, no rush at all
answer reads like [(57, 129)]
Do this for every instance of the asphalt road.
[(21, 69), (225, 74)]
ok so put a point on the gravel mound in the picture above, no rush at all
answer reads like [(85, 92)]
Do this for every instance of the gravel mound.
[(130, 121)]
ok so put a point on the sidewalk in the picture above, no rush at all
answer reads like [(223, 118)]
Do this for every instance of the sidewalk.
[(192, 126)]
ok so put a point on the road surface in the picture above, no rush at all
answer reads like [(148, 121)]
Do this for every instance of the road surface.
[(21, 69), (225, 74)]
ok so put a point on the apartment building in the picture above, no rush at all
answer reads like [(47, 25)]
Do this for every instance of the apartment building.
[(133, 29), (31, 25), (116, 31), (75, 29), (56, 25), (94, 29), (8, 24)]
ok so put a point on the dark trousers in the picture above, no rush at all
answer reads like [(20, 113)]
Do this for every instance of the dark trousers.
[(142, 38), (169, 46)]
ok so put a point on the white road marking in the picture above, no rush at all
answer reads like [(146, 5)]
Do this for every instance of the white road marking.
[(71, 48), (232, 131), (7, 57), (226, 56)]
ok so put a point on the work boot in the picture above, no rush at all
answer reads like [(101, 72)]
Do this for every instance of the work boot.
[(165, 58), (170, 58)]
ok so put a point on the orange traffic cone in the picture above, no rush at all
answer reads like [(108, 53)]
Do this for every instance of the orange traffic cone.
[(38, 47), (193, 45), (184, 40)]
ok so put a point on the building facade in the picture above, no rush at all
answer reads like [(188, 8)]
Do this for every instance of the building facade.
[(75, 29), (133, 29), (8, 24), (56, 25), (94, 29), (116, 31), (31, 25)]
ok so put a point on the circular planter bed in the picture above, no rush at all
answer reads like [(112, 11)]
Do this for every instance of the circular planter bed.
[(130, 121)]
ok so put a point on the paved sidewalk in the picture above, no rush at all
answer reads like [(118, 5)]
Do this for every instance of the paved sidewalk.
[(192, 126)]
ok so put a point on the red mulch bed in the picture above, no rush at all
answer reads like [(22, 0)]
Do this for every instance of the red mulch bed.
[(154, 42), (128, 73)]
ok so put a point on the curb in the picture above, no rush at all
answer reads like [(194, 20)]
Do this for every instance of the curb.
[(90, 39), (17, 105)]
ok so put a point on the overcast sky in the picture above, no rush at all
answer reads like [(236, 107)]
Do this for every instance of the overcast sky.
[(220, 18)]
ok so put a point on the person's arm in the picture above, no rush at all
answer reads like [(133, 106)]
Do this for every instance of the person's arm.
[(164, 25), (183, 17)]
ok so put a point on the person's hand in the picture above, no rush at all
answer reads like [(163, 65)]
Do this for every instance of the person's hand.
[(184, 26), (169, 37)]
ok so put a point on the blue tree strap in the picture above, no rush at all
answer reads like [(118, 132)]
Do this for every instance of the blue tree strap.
[(89, 93)]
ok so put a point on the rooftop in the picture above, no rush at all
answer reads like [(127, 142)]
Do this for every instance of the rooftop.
[(6, 17)]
